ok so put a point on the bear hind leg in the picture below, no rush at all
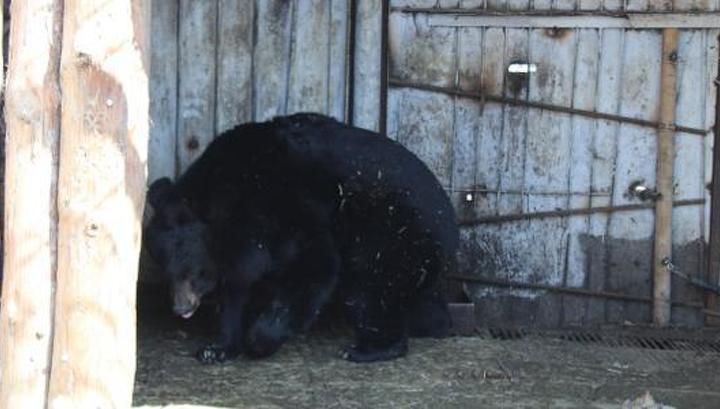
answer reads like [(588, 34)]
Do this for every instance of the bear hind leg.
[(379, 330), (429, 315)]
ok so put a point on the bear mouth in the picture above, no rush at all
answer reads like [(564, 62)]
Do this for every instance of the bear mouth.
[(186, 313)]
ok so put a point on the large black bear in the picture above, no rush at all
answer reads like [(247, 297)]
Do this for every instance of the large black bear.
[(281, 216)]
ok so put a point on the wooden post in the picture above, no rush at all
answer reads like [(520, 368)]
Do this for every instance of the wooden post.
[(368, 64), (101, 189), (713, 267), (665, 157), (32, 115)]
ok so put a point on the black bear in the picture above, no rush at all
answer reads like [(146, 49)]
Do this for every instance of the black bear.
[(280, 216)]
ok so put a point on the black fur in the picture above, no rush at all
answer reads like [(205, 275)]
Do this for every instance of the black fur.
[(282, 215)]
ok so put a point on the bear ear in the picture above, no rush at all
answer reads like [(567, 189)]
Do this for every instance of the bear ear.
[(159, 192)]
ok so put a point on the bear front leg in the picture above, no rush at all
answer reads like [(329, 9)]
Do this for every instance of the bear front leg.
[(229, 343), (379, 324), (311, 282)]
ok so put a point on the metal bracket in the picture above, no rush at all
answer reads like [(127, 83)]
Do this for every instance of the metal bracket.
[(668, 264), (642, 192)]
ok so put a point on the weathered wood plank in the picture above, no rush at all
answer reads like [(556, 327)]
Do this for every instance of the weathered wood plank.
[(637, 5), (548, 133), (271, 58), (693, 5), (710, 228), (712, 45), (425, 127), (395, 103), (687, 223), (588, 5), (420, 53), (163, 90), (496, 5), (468, 122), (515, 126), (367, 61), (472, 4), (101, 189), (32, 115), (540, 5), (337, 59), (630, 259), (565, 4), (548, 155), (308, 86), (634, 20), (613, 5), (488, 150), (580, 171), (603, 168), (234, 63), (197, 79)]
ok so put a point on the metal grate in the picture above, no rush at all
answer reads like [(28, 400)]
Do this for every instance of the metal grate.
[(651, 341)]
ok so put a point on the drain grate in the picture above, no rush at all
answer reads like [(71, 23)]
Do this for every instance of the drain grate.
[(658, 342), (507, 333)]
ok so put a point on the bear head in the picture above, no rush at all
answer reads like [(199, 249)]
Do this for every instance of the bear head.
[(177, 242)]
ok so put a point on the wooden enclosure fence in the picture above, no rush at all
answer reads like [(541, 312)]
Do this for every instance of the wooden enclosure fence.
[(76, 146)]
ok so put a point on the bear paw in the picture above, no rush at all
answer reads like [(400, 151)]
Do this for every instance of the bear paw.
[(211, 355), (361, 354)]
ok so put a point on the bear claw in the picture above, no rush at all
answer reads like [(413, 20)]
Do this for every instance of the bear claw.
[(211, 355)]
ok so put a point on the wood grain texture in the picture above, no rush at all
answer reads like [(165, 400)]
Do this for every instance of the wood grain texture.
[(338, 59), (308, 78), (665, 161), (688, 167), (234, 63), (271, 57), (197, 79), (101, 190), (30, 221), (605, 147), (630, 258), (163, 90), (582, 138), (367, 65)]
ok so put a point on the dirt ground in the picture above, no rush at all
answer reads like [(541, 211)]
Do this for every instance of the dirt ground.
[(460, 372)]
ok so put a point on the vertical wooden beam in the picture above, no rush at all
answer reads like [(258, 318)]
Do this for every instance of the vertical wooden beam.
[(197, 79), (713, 265), (33, 124), (384, 66), (2, 59), (665, 158), (367, 65), (162, 159), (234, 63), (101, 189)]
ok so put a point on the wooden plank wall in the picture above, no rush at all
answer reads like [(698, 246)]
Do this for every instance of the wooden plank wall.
[(222, 62), (520, 160), (218, 63)]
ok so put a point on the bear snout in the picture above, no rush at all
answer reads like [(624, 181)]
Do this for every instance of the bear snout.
[(185, 301)]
